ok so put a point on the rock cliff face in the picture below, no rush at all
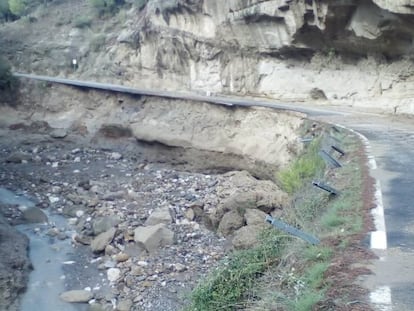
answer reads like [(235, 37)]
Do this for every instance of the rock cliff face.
[(358, 52)]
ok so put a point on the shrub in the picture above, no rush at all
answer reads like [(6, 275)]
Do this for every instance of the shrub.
[(106, 6), (8, 83), (97, 42), (6, 77), (140, 4), (17, 7), (82, 21)]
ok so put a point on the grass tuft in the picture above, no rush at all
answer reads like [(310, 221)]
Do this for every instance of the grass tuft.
[(304, 168), (228, 284)]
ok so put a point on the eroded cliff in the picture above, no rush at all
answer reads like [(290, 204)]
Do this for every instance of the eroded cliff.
[(358, 52)]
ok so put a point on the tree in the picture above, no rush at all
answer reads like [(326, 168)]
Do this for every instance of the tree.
[(4, 9), (8, 83), (17, 7)]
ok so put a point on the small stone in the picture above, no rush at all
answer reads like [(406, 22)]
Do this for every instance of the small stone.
[(147, 284), (180, 267), (53, 199), (18, 157), (53, 232), (76, 296), (189, 214), (121, 257), (138, 298), (110, 250), (136, 271), (143, 263), (113, 274), (115, 156), (125, 305), (102, 240), (58, 133)]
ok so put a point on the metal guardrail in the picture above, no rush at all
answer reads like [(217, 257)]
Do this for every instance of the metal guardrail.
[(292, 230)]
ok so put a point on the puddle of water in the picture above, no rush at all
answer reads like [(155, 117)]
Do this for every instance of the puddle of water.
[(47, 280)]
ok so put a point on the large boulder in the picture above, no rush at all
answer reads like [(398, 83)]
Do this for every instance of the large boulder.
[(159, 216), (255, 217), (153, 237), (247, 236), (230, 222)]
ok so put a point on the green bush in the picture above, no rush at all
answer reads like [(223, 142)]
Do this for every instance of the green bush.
[(106, 6), (6, 78), (4, 9), (97, 42), (8, 83), (17, 7), (82, 21)]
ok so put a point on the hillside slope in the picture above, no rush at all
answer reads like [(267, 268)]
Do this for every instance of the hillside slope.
[(353, 52)]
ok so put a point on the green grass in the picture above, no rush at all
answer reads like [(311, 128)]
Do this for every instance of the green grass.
[(317, 253), (225, 288), (306, 301), (303, 169)]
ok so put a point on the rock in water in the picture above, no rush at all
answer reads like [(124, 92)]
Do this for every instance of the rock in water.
[(99, 243), (76, 296), (34, 215)]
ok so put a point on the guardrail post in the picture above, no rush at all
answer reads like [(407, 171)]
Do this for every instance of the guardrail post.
[(292, 230), (325, 187), (329, 159)]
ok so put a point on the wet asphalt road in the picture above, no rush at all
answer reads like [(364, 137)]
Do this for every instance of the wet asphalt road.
[(392, 142)]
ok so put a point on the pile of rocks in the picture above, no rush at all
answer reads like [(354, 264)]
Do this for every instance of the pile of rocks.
[(148, 231)]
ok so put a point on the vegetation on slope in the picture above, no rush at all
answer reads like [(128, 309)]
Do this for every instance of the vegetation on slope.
[(285, 273)]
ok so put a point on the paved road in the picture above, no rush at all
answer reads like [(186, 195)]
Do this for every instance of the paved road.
[(392, 142)]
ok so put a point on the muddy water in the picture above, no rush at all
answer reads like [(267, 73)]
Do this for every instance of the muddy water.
[(49, 257)]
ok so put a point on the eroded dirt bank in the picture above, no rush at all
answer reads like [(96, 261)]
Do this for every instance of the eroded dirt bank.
[(151, 187)]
